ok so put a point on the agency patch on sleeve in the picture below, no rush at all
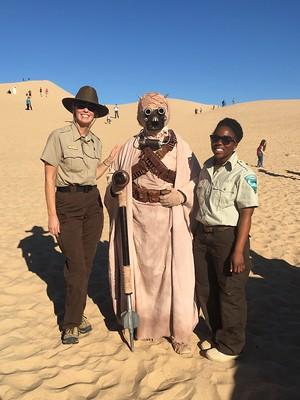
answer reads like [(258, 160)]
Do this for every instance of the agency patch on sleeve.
[(252, 181)]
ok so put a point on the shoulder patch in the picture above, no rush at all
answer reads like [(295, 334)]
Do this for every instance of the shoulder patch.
[(252, 181)]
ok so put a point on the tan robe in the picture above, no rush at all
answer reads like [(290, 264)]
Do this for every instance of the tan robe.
[(160, 246)]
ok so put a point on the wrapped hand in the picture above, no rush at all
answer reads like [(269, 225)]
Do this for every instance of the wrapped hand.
[(172, 198)]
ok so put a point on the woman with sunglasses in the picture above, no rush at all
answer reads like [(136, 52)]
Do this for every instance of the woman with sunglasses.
[(72, 158), (227, 197)]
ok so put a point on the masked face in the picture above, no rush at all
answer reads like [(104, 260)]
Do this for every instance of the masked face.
[(153, 112), (154, 120)]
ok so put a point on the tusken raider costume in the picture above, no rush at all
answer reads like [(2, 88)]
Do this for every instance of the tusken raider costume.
[(162, 173)]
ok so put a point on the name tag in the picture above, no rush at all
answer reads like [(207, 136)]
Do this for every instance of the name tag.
[(72, 147)]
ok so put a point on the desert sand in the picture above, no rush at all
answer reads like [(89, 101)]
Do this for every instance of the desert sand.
[(36, 366)]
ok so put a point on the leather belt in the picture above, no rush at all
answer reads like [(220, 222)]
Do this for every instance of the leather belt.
[(145, 195), (76, 188), (214, 228)]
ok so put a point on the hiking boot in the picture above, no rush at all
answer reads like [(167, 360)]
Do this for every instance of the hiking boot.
[(85, 326), (70, 336)]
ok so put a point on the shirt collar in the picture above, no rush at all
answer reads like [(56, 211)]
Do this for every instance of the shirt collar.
[(229, 165), (77, 136), (232, 160)]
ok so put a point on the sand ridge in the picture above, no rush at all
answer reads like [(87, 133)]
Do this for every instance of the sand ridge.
[(36, 366)]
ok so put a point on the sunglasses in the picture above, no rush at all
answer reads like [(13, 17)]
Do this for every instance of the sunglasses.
[(226, 140), (81, 105)]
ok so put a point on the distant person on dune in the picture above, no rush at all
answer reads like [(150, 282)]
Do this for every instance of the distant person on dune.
[(260, 152), (46, 92), (116, 110), (41, 92), (163, 171), (28, 103), (72, 159), (226, 194)]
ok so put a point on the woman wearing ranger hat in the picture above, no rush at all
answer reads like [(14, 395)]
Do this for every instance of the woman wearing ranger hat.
[(72, 158)]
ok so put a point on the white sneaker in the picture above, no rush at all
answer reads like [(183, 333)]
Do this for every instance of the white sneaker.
[(216, 355)]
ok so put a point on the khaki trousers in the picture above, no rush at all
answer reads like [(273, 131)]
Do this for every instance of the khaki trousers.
[(220, 293), (81, 222)]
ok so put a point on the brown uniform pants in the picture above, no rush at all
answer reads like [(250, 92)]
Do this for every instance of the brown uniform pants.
[(81, 222), (220, 293)]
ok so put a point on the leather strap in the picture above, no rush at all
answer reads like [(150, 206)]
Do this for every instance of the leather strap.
[(151, 161), (145, 195)]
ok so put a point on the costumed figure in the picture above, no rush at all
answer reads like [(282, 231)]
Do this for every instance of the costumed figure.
[(162, 173)]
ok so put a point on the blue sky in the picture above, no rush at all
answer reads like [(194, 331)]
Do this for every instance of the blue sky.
[(197, 50)]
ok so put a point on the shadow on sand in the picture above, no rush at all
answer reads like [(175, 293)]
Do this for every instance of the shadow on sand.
[(43, 258), (294, 178), (269, 367), (270, 364)]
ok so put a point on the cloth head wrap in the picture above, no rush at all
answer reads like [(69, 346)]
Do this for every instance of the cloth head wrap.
[(152, 100)]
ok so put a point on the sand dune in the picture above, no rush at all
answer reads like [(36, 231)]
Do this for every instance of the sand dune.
[(36, 366)]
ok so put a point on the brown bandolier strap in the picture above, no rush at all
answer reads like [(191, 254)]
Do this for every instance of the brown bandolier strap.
[(145, 195), (151, 161)]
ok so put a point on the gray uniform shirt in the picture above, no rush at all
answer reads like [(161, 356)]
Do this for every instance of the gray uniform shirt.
[(222, 194), (75, 157)]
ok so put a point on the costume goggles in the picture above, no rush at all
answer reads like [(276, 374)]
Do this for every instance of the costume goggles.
[(160, 111), (226, 140)]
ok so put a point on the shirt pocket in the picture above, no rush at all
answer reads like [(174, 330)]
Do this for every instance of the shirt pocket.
[(226, 195), (73, 159), (203, 191), (91, 151), (97, 152)]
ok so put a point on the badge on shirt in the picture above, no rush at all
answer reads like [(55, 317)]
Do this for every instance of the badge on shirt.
[(73, 147), (252, 181)]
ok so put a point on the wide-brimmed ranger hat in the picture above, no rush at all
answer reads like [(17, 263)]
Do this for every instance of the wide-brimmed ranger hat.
[(86, 94)]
